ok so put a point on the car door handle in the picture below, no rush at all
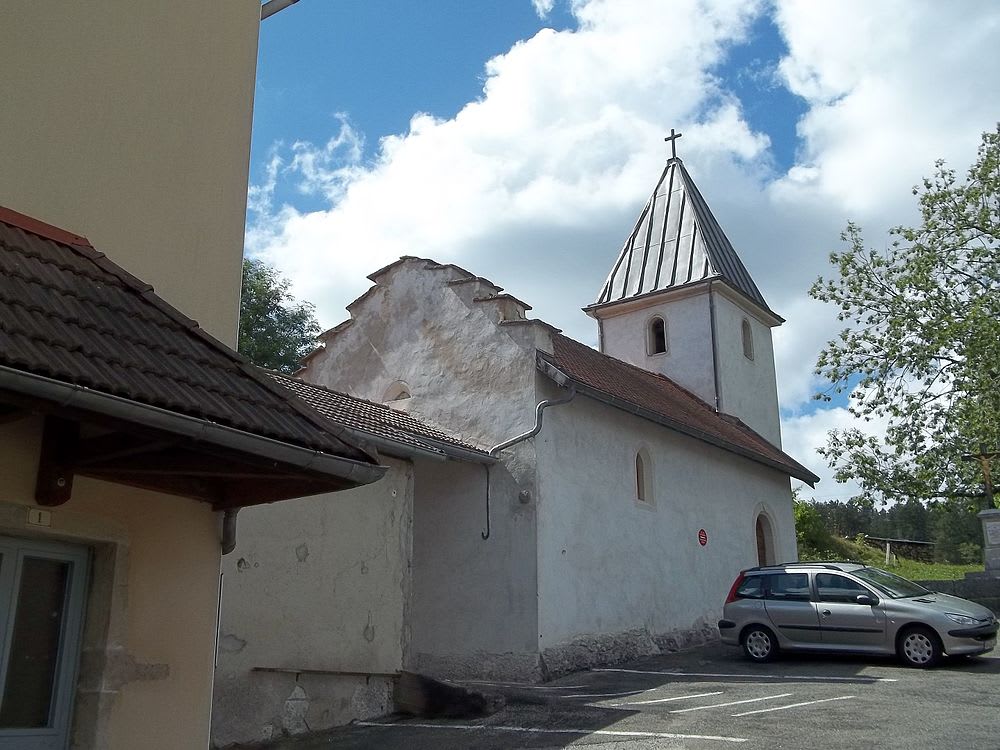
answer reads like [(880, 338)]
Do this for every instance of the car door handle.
[(826, 613)]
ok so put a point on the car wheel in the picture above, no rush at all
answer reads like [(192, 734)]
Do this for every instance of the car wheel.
[(759, 644), (919, 647)]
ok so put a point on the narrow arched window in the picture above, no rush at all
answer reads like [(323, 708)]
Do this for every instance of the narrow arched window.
[(747, 339), (656, 337), (765, 541), (640, 478), (396, 392)]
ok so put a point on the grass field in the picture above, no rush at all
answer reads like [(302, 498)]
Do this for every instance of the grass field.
[(845, 549)]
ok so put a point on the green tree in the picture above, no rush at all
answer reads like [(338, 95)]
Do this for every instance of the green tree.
[(923, 347), (275, 330), (810, 529)]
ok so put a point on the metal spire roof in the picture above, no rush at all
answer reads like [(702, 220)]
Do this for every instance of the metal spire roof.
[(676, 241)]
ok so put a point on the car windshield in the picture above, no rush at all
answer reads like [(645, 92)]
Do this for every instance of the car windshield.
[(889, 583)]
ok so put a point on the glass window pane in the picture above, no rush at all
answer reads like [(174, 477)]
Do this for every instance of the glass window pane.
[(751, 588), (834, 588), (789, 586), (34, 652)]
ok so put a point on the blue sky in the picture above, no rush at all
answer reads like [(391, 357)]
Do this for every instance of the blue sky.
[(521, 143)]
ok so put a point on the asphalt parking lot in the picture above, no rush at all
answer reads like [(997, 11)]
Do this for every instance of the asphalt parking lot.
[(712, 698)]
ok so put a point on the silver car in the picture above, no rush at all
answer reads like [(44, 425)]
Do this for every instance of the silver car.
[(850, 607)]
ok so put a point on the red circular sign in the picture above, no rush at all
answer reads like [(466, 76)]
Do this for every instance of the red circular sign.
[(702, 537)]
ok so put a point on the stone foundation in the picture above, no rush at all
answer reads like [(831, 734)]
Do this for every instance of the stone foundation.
[(585, 652)]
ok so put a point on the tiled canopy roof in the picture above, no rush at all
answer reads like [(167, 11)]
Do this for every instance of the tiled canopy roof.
[(67, 313), (376, 420), (660, 399), (676, 241)]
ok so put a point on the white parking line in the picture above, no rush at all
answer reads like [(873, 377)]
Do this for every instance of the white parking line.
[(602, 695), (859, 678), (666, 700), (524, 686), (731, 703), (541, 730), (795, 705)]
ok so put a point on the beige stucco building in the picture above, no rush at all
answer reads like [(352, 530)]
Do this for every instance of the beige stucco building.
[(129, 123), (125, 430)]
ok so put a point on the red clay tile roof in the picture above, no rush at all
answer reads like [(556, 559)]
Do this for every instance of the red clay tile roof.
[(659, 398), (69, 314), (374, 419)]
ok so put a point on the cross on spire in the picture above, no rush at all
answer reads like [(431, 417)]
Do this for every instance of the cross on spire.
[(672, 139)]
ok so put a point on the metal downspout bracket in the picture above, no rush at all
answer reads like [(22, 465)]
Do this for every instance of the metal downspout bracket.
[(540, 407)]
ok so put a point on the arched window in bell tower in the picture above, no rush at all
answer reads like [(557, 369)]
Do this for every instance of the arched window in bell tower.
[(656, 336), (747, 339)]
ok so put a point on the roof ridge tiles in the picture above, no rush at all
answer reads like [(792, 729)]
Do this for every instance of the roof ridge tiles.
[(533, 321), (471, 279), (505, 296), (42, 229)]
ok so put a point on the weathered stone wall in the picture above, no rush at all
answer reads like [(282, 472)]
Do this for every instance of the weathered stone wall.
[(315, 587), (468, 360)]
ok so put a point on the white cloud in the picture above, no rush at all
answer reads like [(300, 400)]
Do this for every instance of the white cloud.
[(543, 7), (536, 183), (803, 434)]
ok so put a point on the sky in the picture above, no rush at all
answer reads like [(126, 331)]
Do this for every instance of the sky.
[(520, 139)]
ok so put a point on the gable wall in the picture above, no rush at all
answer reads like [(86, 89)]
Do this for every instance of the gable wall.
[(466, 374), (608, 564)]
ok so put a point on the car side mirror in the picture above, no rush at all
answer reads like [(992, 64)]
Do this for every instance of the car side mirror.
[(864, 599)]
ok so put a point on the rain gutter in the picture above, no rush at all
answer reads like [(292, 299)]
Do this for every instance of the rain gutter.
[(433, 450), (194, 428)]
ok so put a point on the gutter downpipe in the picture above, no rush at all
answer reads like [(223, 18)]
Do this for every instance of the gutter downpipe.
[(540, 407), (229, 530)]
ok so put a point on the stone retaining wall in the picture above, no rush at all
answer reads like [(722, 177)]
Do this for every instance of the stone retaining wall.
[(985, 591)]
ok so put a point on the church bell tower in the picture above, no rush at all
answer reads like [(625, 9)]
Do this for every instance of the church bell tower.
[(680, 302)]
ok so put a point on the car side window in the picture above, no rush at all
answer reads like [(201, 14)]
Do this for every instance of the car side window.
[(751, 588), (839, 589), (789, 587)]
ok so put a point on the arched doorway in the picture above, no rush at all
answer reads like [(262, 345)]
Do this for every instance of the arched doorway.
[(765, 541)]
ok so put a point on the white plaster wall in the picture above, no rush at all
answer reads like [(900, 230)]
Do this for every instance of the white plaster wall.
[(748, 387), (688, 360), (607, 564), (474, 603), (317, 583), (148, 648)]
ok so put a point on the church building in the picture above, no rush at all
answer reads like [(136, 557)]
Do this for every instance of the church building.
[(601, 502)]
